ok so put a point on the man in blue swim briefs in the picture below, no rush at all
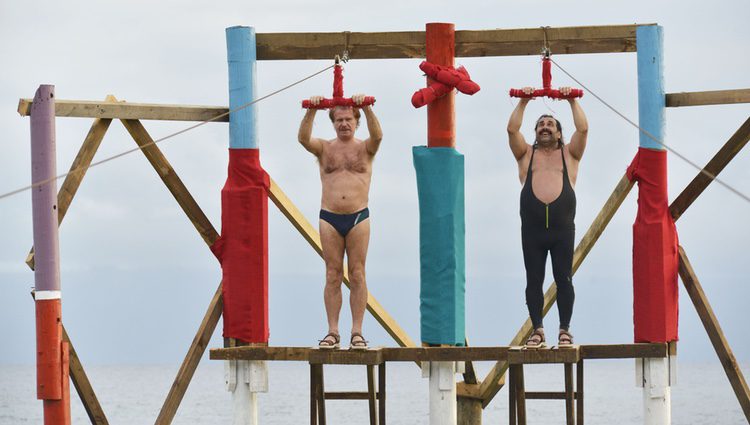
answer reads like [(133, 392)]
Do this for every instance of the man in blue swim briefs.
[(548, 170), (345, 171)]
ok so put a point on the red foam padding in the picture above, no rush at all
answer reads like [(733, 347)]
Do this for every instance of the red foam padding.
[(338, 101), (547, 90), (242, 248), (655, 256)]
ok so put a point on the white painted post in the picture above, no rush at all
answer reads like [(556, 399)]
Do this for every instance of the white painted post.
[(245, 379), (654, 376), (442, 375)]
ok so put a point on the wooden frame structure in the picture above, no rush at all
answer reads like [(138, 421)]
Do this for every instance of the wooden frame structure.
[(288, 46)]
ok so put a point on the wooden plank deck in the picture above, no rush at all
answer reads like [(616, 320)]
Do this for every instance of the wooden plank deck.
[(421, 354)]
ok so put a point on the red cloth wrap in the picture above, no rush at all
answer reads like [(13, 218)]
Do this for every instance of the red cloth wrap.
[(546, 73), (547, 90), (338, 81), (338, 94), (243, 247), (446, 79), (338, 101), (655, 256)]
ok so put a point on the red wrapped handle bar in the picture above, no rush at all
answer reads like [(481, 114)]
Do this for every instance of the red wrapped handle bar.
[(552, 93), (338, 101)]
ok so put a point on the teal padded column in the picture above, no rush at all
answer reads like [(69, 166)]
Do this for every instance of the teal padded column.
[(440, 186)]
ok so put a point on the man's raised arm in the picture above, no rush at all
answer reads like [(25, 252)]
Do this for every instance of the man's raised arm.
[(518, 144), (578, 139), (313, 145), (372, 143)]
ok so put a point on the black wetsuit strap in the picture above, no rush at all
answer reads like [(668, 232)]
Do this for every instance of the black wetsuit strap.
[(531, 161), (565, 166)]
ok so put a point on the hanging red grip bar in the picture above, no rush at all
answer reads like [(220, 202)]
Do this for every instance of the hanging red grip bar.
[(338, 94), (547, 90)]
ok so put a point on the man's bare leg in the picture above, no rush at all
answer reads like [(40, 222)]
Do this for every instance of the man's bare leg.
[(357, 242), (332, 245)]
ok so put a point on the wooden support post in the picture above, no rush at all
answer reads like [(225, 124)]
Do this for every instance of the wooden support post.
[(520, 394), (469, 411), (82, 384), (65, 196), (372, 394), (569, 394), (491, 384), (313, 397), (719, 161), (52, 361), (320, 393), (192, 358), (381, 393), (715, 334), (579, 392), (171, 180)]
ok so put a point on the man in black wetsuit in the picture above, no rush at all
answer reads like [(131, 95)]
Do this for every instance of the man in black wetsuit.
[(548, 170)]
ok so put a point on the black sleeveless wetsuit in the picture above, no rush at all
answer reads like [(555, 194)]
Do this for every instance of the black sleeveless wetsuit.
[(548, 227)]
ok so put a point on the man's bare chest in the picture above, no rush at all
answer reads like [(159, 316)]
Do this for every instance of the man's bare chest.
[(352, 159)]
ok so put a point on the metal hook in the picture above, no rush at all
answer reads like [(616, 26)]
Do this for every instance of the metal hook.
[(545, 49)]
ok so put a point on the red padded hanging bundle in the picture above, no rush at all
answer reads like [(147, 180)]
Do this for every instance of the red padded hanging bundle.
[(242, 248), (338, 94), (547, 90), (446, 79), (655, 255)]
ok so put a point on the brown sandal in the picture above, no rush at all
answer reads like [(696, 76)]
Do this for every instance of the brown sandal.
[(330, 341), (360, 344), (564, 338), (536, 339)]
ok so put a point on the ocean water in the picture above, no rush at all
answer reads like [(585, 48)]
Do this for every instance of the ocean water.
[(134, 395)]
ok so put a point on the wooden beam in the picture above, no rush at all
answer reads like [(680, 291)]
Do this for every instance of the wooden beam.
[(492, 383), (298, 220), (78, 170), (411, 44), (730, 149), (130, 111), (171, 180), (190, 363), (349, 395), (520, 355), (439, 354), (624, 351), (382, 354), (715, 334), (83, 385), (716, 97)]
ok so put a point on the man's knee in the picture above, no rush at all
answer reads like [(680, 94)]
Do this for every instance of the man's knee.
[(334, 275), (357, 274)]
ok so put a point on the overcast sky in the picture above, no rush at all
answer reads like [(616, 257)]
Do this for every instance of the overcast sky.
[(137, 277)]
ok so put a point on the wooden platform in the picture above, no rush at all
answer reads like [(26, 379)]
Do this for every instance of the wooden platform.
[(379, 355), (516, 357)]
